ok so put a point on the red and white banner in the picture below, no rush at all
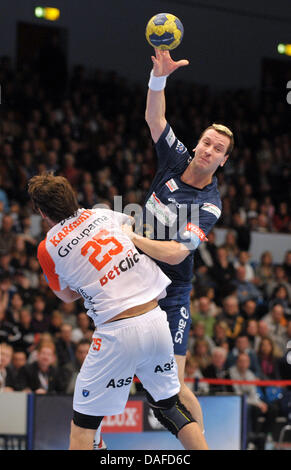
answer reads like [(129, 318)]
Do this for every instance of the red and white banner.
[(131, 420)]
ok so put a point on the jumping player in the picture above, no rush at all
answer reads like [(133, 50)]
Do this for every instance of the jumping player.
[(181, 207), (86, 254)]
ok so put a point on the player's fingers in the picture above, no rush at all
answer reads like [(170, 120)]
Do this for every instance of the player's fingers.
[(128, 230), (157, 51), (182, 63)]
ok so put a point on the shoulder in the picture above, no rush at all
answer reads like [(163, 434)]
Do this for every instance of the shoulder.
[(211, 194), (211, 207), (169, 145), (167, 136), (41, 246), (43, 255), (211, 204), (102, 211), (42, 251)]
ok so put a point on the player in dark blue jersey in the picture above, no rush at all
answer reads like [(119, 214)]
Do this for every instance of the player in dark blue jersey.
[(182, 206)]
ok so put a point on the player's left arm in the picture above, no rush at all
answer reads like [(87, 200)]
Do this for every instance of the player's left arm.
[(189, 238), (170, 252)]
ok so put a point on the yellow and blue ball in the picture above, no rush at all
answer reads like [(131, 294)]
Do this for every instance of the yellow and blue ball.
[(164, 31)]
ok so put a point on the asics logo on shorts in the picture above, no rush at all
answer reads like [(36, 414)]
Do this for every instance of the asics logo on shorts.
[(184, 313), (181, 325), (125, 264)]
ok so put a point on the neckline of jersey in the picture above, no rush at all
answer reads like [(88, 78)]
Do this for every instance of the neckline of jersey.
[(208, 187)]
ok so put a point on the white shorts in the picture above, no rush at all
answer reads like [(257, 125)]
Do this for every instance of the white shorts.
[(140, 346)]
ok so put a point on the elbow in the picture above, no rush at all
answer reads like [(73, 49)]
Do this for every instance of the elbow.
[(173, 260), (177, 256), (71, 298), (153, 121), (65, 297), (149, 119)]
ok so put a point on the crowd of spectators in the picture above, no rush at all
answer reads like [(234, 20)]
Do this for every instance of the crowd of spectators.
[(241, 329), (95, 135)]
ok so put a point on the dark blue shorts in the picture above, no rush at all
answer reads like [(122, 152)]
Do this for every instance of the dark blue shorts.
[(177, 307)]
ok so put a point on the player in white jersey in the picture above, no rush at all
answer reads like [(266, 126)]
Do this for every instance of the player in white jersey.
[(87, 254)]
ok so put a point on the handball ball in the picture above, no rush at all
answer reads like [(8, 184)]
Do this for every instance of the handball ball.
[(164, 31)]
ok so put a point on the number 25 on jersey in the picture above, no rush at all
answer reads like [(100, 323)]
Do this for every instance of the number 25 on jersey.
[(96, 245)]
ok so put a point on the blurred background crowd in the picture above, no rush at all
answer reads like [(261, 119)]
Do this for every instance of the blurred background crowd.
[(90, 128)]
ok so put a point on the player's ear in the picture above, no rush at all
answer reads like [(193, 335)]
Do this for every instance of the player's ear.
[(224, 160), (41, 213)]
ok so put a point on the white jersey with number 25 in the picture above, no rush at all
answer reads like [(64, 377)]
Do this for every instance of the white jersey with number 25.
[(90, 254)]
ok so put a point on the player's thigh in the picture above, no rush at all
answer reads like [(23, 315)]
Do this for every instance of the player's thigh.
[(158, 370), (103, 384)]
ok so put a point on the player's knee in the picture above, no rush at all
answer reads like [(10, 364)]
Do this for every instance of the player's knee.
[(81, 438), (171, 413), (83, 430), (74, 436), (86, 421)]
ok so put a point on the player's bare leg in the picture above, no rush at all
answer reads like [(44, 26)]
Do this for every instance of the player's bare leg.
[(186, 396), (81, 438), (98, 443), (192, 438)]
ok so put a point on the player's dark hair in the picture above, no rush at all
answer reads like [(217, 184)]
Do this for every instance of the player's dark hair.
[(53, 195)]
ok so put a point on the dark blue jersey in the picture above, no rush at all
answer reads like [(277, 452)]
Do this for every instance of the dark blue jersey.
[(177, 211)]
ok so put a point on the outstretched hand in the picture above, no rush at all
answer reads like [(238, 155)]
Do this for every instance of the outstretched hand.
[(163, 64)]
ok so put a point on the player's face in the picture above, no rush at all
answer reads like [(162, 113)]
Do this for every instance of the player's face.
[(210, 152)]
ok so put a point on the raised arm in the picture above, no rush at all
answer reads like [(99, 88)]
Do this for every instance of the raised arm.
[(163, 66)]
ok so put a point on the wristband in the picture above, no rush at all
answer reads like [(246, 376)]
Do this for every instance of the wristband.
[(157, 83)]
